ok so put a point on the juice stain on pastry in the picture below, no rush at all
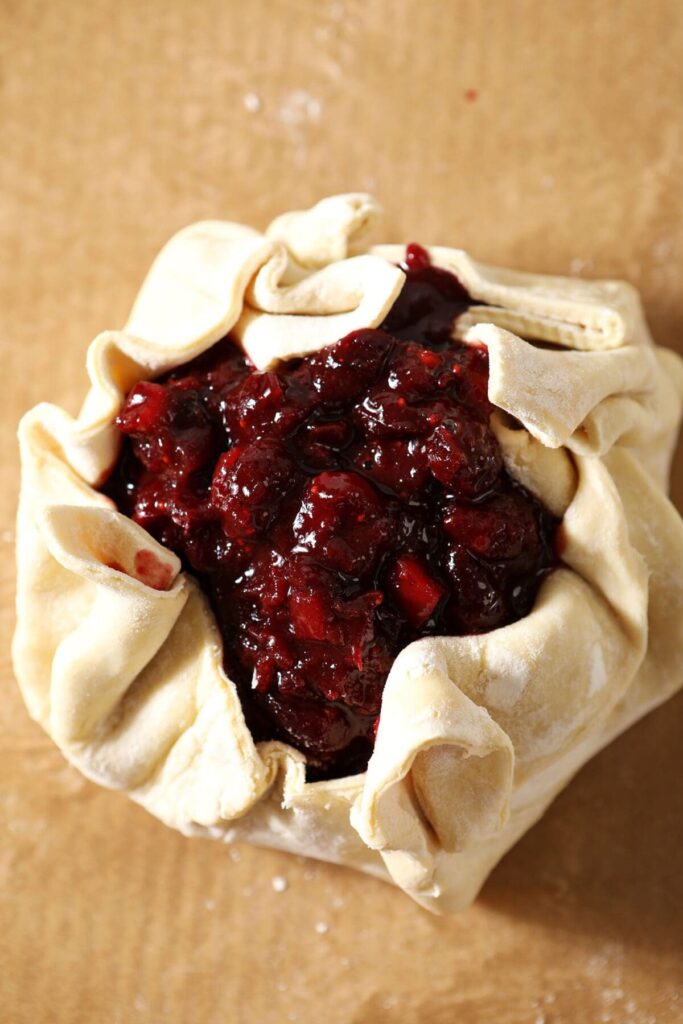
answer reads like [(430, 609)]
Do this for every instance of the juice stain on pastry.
[(336, 509)]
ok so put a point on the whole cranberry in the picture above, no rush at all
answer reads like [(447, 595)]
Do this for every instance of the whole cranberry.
[(385, 413), (264, 584), (313, 602), (343, 521), (208, 547), (258, 407), (415, 370), (477, 604), (341, 371), (147, 407), (399, 465), (313, 727), (248, 484), (464, 456), (501, 528), (321, 441), (167, 428)]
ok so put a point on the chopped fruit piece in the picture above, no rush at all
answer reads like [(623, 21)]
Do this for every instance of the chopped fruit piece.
[(336, 509), (413, 589)]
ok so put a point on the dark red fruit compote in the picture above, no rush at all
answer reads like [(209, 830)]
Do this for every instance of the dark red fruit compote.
[(335, 509)]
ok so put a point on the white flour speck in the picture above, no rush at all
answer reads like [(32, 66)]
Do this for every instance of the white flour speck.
[(252, 102), (299, 107), (661, 250), (612, 995), (279, 883), (322, 927), (508, 677), (210, 904)]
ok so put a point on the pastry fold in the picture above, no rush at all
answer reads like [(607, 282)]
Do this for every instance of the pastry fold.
[(116, 649)]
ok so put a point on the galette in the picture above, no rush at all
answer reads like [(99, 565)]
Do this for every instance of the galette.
[(357, 551)]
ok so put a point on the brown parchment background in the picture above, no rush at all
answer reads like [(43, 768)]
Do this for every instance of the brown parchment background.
[(543, 135)]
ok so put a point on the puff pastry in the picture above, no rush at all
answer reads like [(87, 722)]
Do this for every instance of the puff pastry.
[(116, 649)]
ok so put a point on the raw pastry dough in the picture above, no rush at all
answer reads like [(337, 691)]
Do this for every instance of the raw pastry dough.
[(116, 649)]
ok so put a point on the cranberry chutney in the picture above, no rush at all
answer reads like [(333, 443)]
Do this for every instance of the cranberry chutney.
[(336, 509)]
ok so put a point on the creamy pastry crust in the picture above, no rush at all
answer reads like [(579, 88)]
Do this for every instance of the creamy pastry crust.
[(116, 649)]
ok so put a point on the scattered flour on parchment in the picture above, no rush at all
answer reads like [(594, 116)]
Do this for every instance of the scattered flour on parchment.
[(578, 266), (300, 107), (252, 102), (661, 250)]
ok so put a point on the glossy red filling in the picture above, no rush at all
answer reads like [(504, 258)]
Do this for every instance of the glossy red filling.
[(336, 509)]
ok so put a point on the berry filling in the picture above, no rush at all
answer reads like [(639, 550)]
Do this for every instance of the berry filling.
[(336, 509)]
